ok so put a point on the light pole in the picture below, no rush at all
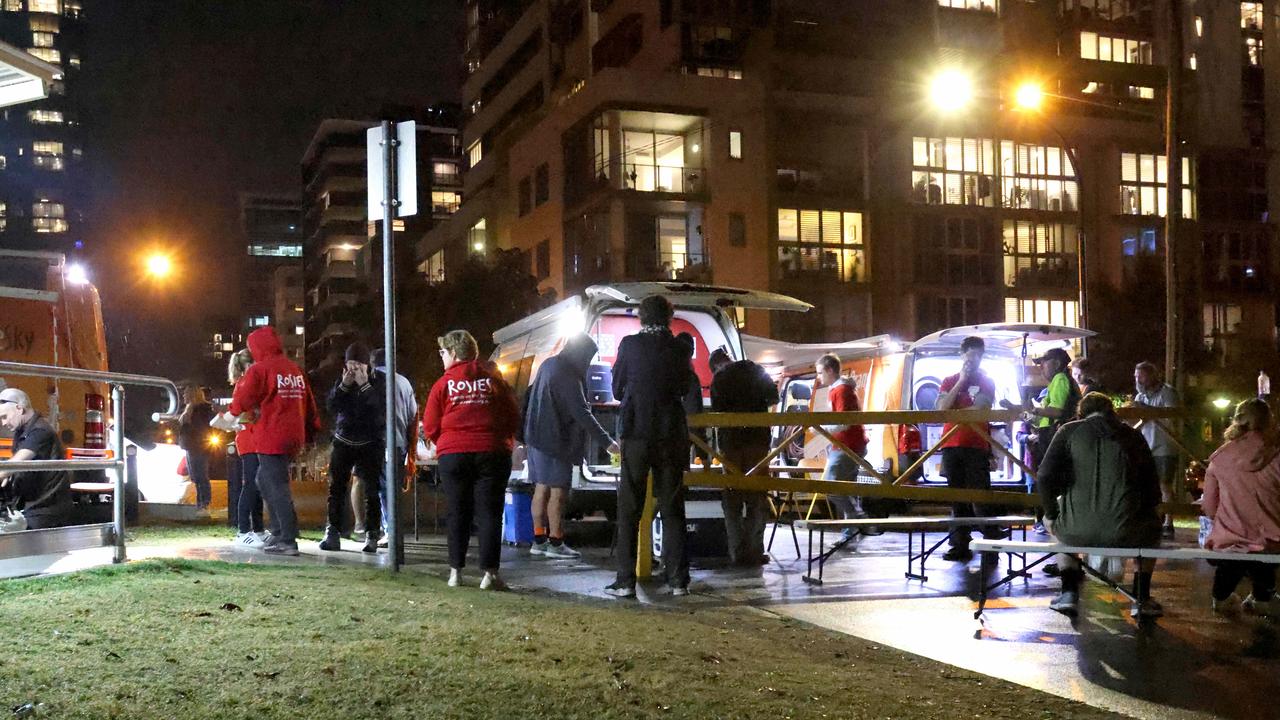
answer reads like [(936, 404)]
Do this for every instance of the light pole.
[(1028, 97)]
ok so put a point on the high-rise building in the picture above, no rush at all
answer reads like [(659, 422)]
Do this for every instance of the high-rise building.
[(342, 265), (44, 183), (272, 226), (874, 157), (286, 292)]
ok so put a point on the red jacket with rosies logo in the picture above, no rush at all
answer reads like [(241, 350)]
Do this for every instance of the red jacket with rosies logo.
[(471, 409), (277, 388)]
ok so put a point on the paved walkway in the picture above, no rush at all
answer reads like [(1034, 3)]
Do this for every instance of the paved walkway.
[(1191, 664)]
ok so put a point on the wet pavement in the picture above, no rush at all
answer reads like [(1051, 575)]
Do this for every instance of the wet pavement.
[(1189, 664)]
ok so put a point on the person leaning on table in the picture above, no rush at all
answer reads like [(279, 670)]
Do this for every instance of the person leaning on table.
[(1099, 488), (1242, 495)]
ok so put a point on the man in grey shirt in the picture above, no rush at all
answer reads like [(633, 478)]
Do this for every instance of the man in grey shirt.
[(1151, 391), (406, 432)]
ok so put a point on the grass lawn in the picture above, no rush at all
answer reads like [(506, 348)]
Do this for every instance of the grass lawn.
[(186, 639)]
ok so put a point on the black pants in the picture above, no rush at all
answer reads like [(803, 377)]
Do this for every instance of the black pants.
[(1228, 573), (667, 459), (246, 509), (745, 511), (365, 459), (474, 486), (966, 469)]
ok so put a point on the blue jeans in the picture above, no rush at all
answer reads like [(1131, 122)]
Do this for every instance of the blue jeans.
[(384, 486), (840, 466), (248, 503), (198, 470), (273, 482)]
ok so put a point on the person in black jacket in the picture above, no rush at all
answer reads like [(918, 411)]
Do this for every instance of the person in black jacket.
[(651, 379), (356, 403), (555, 424), (193, 429), (743, 386)]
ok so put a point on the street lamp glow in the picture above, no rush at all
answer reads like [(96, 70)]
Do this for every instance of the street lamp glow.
[(1222, 403), (951, 90), (159, 265), (77, 275), (1028, 96)]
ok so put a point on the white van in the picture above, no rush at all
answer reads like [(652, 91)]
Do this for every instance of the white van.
[(609, 313)]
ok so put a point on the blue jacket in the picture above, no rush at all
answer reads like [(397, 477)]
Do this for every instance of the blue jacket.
[(557, 417), (358, 417), (651, 377)]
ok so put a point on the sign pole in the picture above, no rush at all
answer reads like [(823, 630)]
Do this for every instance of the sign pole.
[(389, 204)]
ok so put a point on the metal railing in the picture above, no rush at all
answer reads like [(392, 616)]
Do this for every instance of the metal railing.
[(79, 537)]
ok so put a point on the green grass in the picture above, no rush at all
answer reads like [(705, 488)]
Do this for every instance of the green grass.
[(189, 639)]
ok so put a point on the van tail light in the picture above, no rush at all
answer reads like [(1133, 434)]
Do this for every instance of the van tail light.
[(95, 426)]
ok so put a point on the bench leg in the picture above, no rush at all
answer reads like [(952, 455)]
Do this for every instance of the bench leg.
[(1108, 581), (808, 573), (925, 551), (985, 589), (985, 566)]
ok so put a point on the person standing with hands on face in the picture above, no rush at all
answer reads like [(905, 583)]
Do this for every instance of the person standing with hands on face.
[(1152, 392), (356, 403), (966, 455), (557, 421)]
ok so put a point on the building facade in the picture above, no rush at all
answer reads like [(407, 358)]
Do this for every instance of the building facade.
[(805, 147), (342, 258), (44, 183), (272, 227)]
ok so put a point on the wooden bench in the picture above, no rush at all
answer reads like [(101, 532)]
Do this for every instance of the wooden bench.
[(911, 525), (989, 548)]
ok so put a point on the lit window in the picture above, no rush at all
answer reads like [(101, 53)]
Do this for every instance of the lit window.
[(1251, 15), (987, 5), (43, 39), (13, 5), (260, 321), (475, 153), (228, 347), (1039, 255), (718, 72), (299, 329), (217, 337), (476, 236), (45, 117), (445, 203), (43, 23), (1037, 177), (3, 162), (1049, 312), (4, 208), (1144, 182), (47, 6), (435, 267), (73, 61), (72, 8), (1199, 24), (1253, 50), (735, 144), (953, 171), (48, 55), (1191, 61), (445, 172), (1115, 49), (825, 243), (298, 308), (48, 217)]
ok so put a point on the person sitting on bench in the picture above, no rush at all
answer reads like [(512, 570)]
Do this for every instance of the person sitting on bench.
[(1099, 487), (1242, 495)]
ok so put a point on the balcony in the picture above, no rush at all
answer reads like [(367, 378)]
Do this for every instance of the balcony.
[(338, 269), (1040, 272), (664, 179)]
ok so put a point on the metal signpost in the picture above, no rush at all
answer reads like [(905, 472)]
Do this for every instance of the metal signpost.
[(392, 168)]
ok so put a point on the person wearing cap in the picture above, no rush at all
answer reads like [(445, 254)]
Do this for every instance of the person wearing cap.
[(1056, 404), (356, 403), (43, 496)]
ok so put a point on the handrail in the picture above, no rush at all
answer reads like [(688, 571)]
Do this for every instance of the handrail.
[(42, 465), (113, 378)]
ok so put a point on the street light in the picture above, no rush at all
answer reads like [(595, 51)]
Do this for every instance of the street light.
[(1029, 96), (951, 90), (159, 265)]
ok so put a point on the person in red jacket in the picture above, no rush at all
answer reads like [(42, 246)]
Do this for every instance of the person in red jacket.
[(471, 417), (278, 390)]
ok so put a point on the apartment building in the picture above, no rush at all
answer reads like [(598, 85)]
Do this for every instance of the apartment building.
[(272, 227), (44, 180), (806, 146), (342, 251)]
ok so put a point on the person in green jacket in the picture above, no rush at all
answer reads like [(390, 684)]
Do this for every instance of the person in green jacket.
[(1099, 488)]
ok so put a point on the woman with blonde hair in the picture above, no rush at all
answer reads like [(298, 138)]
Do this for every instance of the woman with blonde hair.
[(244, 502), (471, 417), (192, 432), (1242, 495)]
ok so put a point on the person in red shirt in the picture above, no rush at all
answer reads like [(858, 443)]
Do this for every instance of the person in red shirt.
[(966, 455), (840, 466), (278, 390), (471, 417)]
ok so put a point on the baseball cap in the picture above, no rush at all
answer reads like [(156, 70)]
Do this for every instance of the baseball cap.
[(1054, 353)]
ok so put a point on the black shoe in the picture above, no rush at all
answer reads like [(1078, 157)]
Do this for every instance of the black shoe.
[(1168, 532), (620, 590), (371, 544), (958, 554), (331, 542), (1052, 570)]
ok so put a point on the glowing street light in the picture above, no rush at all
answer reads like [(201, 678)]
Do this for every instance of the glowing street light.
[(1029, 96), (1222, 403), (76, 274), (159, 265), (951, 90)]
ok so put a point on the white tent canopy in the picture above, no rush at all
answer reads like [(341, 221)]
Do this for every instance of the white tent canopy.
[(23, 77)]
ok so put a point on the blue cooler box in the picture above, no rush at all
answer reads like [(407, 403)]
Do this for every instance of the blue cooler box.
[(517, 516)]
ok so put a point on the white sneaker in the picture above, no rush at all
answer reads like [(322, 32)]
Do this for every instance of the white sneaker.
[(1229, 605), (1259, 607), (539, 548), (561, 552), (455, 577), (249, 540), (491, 581)]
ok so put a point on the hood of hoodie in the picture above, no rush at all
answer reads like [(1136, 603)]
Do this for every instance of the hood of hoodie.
[(471, 370), (1249, 453), (1104, 425), (264, 343), (578, 351)]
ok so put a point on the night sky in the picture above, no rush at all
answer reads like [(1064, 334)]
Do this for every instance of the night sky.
[(193, 101)]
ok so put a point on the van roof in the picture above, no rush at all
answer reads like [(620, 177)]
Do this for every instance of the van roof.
[(776, 353), (1002, 338), (689, 294)]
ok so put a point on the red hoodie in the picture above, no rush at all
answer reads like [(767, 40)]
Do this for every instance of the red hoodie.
[(279, 391), (471, 409)]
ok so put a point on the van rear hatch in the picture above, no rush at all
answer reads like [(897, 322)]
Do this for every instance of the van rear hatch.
[(1001, 338), (689, 295)]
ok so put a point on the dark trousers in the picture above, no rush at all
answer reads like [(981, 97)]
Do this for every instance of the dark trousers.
[(385, 486), (474, 487), (198, 469), (1228, 573), (273, 481), (966, 469), (366, 460), (246, 506), (745, 511), (667, 459)]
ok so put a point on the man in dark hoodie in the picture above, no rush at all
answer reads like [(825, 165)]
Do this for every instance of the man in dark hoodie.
[(651, 380), (556, 422), (287, 419), (1099, 488), (356, 403)]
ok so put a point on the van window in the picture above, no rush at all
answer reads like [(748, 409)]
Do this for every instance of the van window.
[(24, 273)]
